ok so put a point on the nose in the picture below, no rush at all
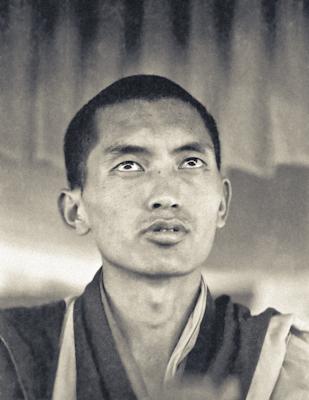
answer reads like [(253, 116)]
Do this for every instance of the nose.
[(163, 196), (163, 202), (164, 192)]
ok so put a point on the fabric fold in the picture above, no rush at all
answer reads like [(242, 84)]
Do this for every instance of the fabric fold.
[(100, 373)]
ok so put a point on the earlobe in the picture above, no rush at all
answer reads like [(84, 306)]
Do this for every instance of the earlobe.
[(225, 203), (72, 211)]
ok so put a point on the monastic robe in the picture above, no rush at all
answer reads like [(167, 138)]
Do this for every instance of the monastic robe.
[(267, 353)]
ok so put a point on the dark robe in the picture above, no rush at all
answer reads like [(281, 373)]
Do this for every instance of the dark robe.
[(228, 344)]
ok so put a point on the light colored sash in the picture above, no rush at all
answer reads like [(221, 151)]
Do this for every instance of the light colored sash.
[(286, 340), (65, 381)]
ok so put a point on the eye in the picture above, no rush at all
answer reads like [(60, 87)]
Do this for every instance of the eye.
[(192, 162), (128, 166)]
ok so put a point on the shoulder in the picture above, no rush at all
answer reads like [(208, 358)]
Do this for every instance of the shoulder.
[(10, 387), (293, 379), (33, 327), (240, 336), (43, 318), (234, 323), (29, 339), (240, 315), (282, 360)]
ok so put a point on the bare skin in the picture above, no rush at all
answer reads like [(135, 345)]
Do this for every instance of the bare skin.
[(151, 313)]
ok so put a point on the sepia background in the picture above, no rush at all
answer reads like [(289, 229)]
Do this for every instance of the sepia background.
[(247, 61)]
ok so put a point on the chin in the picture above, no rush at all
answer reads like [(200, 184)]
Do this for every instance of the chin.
[(155, 264), (166, 270), (160, 274)]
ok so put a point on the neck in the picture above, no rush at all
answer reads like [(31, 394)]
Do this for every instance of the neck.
[(151, 311)]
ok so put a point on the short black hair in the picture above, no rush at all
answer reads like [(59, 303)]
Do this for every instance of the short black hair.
[(82, 136)]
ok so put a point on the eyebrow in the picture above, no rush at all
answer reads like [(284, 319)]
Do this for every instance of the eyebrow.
[(126, 149), (194, 146), (123, 149)]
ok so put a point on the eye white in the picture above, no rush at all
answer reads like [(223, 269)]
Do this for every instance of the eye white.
[(128, 166), (192, 162)]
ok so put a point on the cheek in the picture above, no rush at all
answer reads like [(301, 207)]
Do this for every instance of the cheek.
[(206, 201), (111, 209), (206, 207)]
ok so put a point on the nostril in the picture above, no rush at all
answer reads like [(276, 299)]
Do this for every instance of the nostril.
[(174, 205), (156, 205)]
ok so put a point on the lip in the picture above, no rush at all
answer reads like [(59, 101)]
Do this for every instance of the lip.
[(166, 232)]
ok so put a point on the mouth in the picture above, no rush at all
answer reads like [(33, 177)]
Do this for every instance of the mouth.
[(165, 233)]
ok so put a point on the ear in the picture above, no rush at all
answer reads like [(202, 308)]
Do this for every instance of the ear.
[(225, 203), (72, 210)]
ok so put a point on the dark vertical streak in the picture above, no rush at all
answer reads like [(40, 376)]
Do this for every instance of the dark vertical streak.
[(306, 8), (87, 15), (44, 17), (223, 15), (133, 22), (223, 11), (4, 14), (180, 15), (269, 14), (306, 24)]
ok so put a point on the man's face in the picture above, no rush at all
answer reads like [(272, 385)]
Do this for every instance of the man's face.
[(153, 193)]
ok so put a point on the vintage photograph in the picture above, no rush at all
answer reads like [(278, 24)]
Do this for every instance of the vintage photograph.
[(154, 191)]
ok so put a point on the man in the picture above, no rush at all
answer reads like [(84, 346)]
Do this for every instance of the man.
[(143, 167)]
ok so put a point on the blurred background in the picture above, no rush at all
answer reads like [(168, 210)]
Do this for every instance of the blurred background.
[(247, 61)]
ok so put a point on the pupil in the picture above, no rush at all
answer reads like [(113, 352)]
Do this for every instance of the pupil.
[(127, 166)]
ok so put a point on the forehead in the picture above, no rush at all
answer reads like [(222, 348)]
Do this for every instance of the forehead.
[(148, 120)]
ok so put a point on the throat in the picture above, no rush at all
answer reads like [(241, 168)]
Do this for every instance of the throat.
[(151, 313), (150, 316), (151, 304)]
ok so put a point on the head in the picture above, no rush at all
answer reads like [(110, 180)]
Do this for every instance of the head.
[(143, 167)]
